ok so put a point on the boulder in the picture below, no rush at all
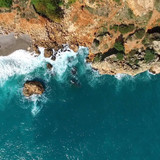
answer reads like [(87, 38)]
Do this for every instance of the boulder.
[(33, 87), (49, 66), (36, 49), (53, 57), (74, 47), (48, 52)]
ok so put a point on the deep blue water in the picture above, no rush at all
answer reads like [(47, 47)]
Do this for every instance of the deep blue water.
[(100, 118)]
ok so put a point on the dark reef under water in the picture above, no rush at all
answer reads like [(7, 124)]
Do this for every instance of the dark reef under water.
[(101, 118)]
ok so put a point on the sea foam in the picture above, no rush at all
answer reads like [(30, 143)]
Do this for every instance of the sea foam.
[(120, 76), (19, 62), (22, 62), (25, 63)]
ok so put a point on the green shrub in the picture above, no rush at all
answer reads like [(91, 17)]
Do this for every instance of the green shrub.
[(49, 8), (102, 31), (118, 1), (130, 13), (126, 28), (149, 56), (146, 40), (98, 57), (114, 27), (119, 46), (132, 52), (120, 56), (70, 2), (6, 3), (140, 33)]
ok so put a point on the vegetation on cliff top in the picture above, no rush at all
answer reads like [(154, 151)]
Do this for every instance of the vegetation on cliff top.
[(149, 56), (119, 46), (49, 8), (140, 33), (126, 28), (6, 3)]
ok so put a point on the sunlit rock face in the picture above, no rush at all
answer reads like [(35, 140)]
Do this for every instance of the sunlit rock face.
[(33, 87)]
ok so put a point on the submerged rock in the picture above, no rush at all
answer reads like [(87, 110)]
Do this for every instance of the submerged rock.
[(48, 53), (75, 82), (33, 87), (74, 71)]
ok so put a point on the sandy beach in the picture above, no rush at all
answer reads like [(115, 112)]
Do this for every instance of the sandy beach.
[(10, 43)]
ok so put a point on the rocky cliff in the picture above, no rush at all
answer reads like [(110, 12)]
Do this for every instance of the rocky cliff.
[(123, 36)]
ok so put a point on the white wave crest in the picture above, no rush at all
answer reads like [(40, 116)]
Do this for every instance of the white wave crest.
[(22, 62), (64, 59), (19, 62)]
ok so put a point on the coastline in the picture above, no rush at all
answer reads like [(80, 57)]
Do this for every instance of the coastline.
[(10, 43)]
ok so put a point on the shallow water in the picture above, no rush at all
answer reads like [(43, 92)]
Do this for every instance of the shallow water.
[(98, 118)]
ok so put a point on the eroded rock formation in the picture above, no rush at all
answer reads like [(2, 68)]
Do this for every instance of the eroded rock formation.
[(33, 87)]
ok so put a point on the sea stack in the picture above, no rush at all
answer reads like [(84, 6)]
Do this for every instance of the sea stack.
[(33, 87)]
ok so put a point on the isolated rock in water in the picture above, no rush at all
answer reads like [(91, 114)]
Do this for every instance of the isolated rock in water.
[(33, 87), (49, 66), (48, 53)]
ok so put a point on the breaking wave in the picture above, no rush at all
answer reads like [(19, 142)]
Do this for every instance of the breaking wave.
[(68, 66), (18, 63)]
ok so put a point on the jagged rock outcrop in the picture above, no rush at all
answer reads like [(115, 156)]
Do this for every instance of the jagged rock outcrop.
[(33, 87)]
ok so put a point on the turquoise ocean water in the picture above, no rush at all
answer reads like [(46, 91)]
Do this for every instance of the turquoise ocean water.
[(96, 118)]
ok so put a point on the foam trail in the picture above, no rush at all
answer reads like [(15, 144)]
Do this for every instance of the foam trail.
[(22, 62), (37, 103), (64, 58), (35, 108), (63, 61)]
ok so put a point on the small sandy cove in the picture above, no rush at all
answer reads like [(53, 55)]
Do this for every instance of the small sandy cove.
[(10, 43)]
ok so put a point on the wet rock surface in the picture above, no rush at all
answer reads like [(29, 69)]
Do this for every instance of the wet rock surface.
[(48, 52), (49, 66), (33, 87), (36, 49)]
